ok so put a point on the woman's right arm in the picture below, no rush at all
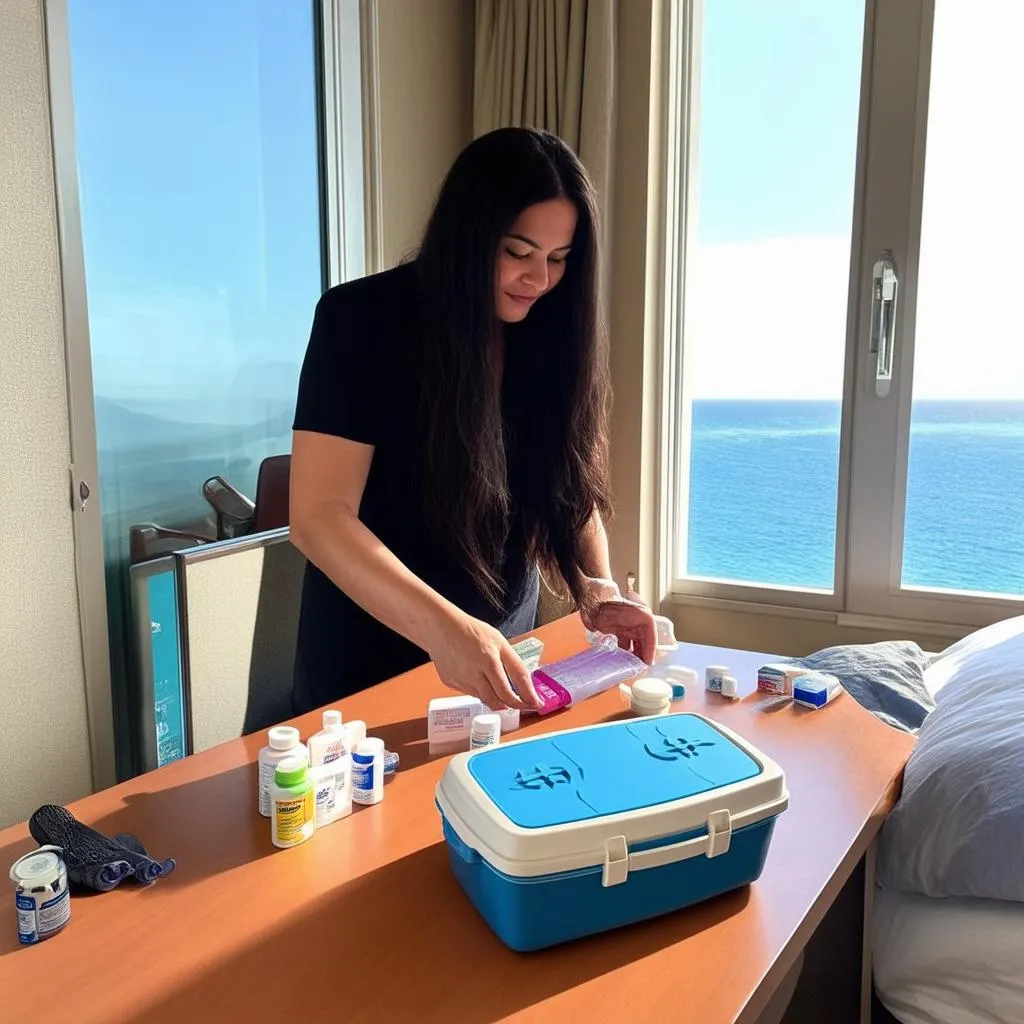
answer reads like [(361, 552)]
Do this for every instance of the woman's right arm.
[(328, 475)]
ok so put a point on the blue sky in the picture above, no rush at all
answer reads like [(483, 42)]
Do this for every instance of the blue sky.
[(197, 148), (196, 135)]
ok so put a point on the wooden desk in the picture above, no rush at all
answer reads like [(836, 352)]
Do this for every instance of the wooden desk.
[(366, 923)]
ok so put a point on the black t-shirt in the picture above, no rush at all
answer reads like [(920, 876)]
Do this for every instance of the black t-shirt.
[(359, 382)]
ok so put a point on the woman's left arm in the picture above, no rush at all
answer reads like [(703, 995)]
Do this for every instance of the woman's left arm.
[(607, 611)]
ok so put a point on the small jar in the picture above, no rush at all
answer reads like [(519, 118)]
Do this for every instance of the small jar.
[(713, 676), (485, 731), (730, 688)]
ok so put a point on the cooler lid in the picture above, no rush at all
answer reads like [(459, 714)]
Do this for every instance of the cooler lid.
[(554, 780), (548, 804)]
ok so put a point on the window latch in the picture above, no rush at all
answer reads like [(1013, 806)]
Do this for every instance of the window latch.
[(884, 290)]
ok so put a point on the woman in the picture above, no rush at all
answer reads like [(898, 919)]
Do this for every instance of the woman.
[(451, 433)]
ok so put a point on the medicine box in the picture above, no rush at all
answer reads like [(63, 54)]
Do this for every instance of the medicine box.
[(567, 834), (778, 678)]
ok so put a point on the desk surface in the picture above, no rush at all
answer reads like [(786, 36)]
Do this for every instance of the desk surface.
[(366, 923)]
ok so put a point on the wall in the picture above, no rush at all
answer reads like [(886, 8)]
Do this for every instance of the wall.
[(426, 109), (44, 743)]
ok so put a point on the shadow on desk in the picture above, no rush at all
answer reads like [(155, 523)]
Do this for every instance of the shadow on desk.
[(357, 943), (238, 837)]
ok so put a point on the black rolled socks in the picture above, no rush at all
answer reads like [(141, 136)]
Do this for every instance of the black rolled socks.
[(94, 860)]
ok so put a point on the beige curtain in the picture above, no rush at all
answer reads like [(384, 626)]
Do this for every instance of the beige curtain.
[(550, 64)]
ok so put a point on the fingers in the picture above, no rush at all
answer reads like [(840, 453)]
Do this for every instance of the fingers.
[(499, 693), (648, 639), (520, 678), (633, 626)]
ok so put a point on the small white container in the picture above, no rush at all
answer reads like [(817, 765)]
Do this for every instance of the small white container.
[(42, 898), (648, 696), (282, 741), (713, 676), (485, 731), (730, 688), (368, 772)]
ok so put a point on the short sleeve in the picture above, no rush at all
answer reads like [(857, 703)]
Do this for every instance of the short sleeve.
[(340, 380)]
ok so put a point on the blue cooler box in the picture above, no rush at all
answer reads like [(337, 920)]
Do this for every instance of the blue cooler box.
[(576, 832)]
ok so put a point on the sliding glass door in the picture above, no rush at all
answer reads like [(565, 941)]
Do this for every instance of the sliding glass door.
[(202, 190)]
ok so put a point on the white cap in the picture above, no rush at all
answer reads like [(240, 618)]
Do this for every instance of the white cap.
[(650, 694), (729, 686), (681, 674), (371, 747), (355, 732), (487, 722), (283, 737), (332, 719)]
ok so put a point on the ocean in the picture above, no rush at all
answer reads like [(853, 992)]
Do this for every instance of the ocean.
[(763, 490)]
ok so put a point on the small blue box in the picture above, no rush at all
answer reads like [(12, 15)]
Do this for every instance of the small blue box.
[(572, 833)]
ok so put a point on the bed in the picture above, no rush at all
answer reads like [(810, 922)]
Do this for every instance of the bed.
[(949, 961), (949, 913)]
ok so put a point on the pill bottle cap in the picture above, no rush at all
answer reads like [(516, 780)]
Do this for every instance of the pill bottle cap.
[(370, 747), (332, 719), (729, 686), (290, 771), (487, 722), (283, 737)]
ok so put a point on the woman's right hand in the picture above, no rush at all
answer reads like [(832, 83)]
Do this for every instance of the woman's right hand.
[(474, 658)]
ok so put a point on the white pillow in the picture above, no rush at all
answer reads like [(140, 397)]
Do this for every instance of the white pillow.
[(989, 644), (958, 829)]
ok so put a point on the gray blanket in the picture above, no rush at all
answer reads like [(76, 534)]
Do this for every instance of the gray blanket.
[(886, 678)]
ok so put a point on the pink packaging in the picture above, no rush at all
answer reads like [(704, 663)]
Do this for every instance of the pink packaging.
[(584, 675)]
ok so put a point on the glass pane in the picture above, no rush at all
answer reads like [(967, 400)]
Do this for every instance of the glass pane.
[(196, 131), (965, 488), (767, 284)]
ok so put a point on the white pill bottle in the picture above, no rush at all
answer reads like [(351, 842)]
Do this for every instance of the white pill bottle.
[(282, 741)]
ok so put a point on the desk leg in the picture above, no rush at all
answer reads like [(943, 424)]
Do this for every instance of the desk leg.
[(867, 945)]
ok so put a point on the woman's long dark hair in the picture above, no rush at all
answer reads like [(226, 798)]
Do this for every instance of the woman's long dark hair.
[(553, 458)]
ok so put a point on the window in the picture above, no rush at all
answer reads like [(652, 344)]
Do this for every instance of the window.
[(823, 153), (216, 161)]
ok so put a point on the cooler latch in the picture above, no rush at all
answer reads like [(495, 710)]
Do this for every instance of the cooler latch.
[(616, 861), (719, 833)]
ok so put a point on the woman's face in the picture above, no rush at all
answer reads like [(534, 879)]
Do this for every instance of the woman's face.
[(532, 257)]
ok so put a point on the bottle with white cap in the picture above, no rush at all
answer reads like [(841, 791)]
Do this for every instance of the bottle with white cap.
[(368, 772), (283, 741), (485, 731), (331, 769)]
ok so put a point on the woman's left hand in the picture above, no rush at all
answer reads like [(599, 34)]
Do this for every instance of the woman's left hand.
[(631, 624)]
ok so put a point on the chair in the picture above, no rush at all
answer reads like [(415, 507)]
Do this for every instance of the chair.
[(272, 490)]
